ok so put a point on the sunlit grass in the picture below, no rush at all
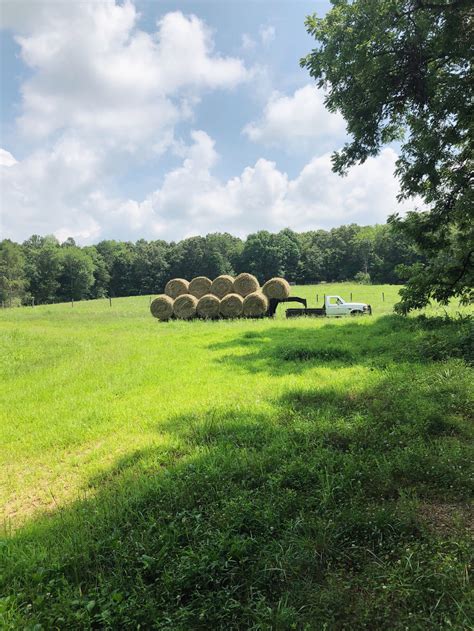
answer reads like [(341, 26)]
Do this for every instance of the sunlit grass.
[(285, 454)]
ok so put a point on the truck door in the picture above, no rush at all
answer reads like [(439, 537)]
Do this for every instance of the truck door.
[(335, 306)]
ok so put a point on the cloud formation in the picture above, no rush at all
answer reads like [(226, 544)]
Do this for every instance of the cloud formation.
[(296, 122), (103, 93), (97, 73), (191, 199)]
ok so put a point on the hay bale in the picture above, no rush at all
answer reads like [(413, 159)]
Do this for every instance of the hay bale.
[(231, 306), (246, 284), (162, 307), (184, 306), (277, 288), (199, 286), (208, 306), (255, 305), (176, 287), (222, 285)]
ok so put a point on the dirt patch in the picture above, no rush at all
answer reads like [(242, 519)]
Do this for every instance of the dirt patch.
[(446, 518)]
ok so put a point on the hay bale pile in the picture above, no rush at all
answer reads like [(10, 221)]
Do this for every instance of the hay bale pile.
[(276, 288), (223, 297), (222, 285), (231, 306), (255, 305), (200, 286), (208, 307), (176, 287), (246, 284), (184, 307), (162, 308)]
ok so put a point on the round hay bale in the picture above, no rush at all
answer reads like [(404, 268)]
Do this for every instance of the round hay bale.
[(176, 287), (184, 306), (208, 306), (277, 288), (246, 284), (255, 305), (199, 286), (222, 285), (231, 306), (162, 307)]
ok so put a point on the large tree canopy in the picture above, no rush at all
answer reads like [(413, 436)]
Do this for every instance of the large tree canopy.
[(400, 70)]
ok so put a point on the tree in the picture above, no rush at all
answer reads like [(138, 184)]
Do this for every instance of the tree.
[(43, 266), (76, 276), (100, 288), (119, 257), (399, 70), (262, 256), (12, 272), (289, 246), (150, 266)]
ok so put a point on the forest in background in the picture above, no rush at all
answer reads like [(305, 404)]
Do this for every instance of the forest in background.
[(42, 270)]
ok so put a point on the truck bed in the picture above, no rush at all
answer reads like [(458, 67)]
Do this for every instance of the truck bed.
[(312, 313)]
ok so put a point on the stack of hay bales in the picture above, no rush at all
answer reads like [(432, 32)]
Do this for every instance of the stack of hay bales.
[(184, 307), (200, 286), (224, 297), (276, 288), (208, 307), (246, 284), (176, 287), (222, 285), (162, 307), (231, 306)]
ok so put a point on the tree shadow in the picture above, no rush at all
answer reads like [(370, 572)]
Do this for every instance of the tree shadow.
[(378, 343), (256, 519)]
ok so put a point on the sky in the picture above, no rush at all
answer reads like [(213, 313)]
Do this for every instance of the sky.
[(164, 120)]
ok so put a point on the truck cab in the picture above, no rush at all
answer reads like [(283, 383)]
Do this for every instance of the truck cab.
[(337, 306)]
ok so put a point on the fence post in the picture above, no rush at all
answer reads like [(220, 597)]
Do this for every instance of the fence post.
[(317, 298), (383, 296), (351, 296)]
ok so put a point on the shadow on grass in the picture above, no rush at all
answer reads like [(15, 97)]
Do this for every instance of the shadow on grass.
[(378, 343), (302, 517)]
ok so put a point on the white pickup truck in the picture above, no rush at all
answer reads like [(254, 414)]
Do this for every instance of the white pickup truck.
[(334, 306)]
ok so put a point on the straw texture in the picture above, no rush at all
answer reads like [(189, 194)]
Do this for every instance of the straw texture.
[(184, 306), (176, 287), (162, 307), (246, 284)]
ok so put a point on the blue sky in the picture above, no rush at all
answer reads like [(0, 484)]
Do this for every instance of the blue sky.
[(169, 119)]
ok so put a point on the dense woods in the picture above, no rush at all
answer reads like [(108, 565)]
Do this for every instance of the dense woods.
[(42, 270)]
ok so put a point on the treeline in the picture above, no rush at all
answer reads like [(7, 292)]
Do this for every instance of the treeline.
[(42, 270)]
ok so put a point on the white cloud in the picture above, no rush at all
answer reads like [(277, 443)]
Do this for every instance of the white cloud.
[(191, 199), (6, 158), (267, 34), (300, 121), (248, 43), (96, 72), (100, 88)]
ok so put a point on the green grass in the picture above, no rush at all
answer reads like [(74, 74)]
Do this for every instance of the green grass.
[(265, 474)]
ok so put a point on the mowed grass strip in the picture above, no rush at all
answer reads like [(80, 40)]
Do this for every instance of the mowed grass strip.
[(266, 474)]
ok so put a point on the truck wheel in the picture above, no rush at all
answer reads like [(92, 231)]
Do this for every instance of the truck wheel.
[(356, 313)]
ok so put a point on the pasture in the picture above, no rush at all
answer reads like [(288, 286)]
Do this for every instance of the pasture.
[(249, 474)]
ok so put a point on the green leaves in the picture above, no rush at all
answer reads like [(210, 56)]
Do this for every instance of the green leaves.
[(398, 71)]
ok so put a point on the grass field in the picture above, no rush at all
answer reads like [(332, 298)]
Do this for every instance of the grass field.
[(255, 474)]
